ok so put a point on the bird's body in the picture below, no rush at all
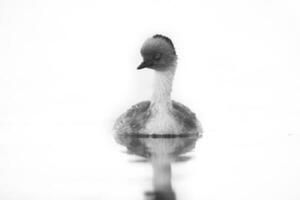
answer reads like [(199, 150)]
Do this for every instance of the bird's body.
[(143, 118), (160, 115)]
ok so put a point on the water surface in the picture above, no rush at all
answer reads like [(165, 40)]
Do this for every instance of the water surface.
[(161, 152)]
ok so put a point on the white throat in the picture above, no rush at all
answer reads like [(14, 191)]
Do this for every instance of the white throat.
[(162, 121), (163, 81)]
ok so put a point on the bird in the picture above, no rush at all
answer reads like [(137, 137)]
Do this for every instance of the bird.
[(160, 115)]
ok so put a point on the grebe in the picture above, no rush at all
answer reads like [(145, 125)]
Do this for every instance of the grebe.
[(160, 115)]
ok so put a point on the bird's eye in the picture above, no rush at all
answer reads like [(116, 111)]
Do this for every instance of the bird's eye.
[(157, 56)]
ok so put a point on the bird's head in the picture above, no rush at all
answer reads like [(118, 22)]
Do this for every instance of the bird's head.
[(158, 53)]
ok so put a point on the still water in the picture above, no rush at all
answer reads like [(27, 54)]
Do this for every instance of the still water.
[(83, 161), (161, 152)]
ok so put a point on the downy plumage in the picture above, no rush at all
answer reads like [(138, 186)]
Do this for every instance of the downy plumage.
[(160, 115)]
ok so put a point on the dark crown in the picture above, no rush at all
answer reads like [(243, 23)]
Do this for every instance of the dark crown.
[(166, 39)]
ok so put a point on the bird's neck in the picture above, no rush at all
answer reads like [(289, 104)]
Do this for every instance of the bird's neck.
[(163, 81)]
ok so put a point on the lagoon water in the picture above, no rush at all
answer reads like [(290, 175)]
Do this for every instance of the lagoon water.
[(76, 161)]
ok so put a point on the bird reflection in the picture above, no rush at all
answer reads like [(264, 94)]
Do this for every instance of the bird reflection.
[(160, 151)]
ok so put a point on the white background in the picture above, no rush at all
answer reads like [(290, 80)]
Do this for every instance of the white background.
[(68, 69)]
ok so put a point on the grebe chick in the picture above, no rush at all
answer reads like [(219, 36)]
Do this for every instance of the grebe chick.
[(160, 115)]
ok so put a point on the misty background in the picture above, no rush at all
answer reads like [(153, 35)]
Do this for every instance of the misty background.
[(68, 70)]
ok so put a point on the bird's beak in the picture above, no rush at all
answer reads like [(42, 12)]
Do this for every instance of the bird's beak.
[(145, 64)]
